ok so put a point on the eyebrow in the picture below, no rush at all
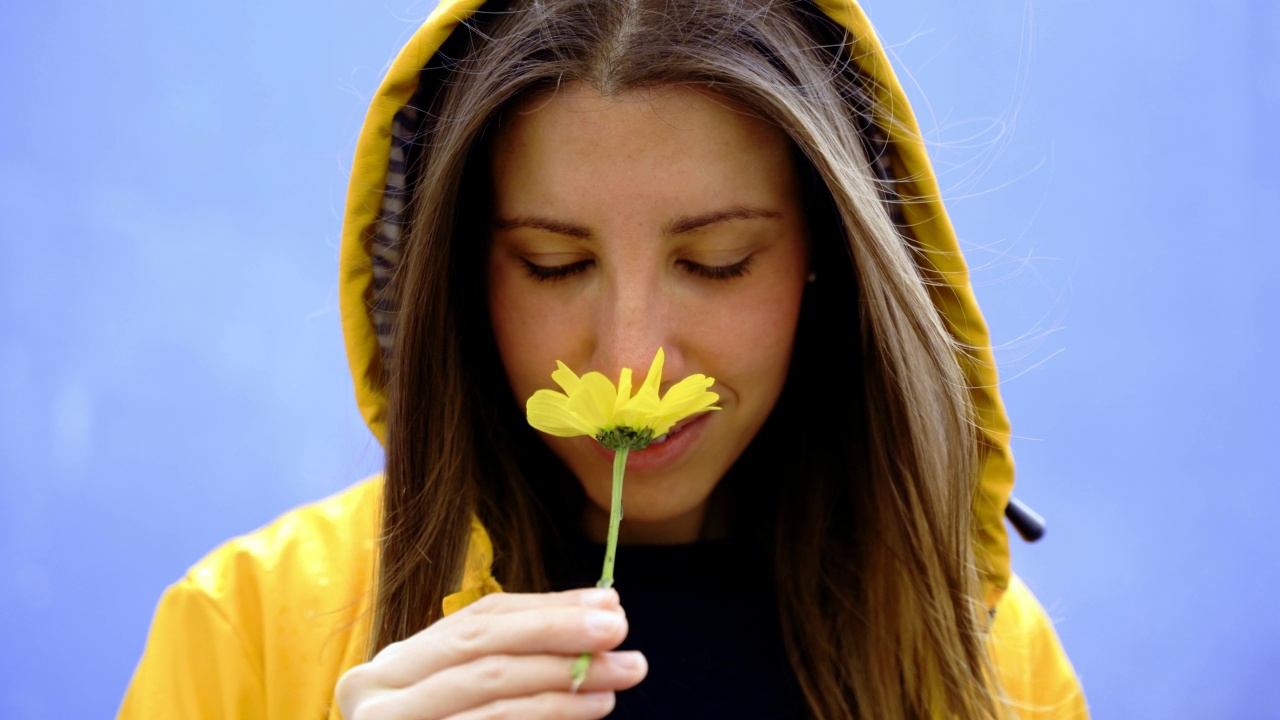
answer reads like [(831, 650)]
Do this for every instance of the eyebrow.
[(537, 223), (677, 227)]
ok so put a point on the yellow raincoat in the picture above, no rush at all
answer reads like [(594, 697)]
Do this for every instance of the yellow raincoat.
[(265, 625)]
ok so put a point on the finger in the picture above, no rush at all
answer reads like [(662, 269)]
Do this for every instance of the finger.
[(546, 706), (495, 677), (551, 631), (498, 603), (504, 603)]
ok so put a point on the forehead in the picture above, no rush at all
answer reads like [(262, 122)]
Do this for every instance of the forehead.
[(667, 143)]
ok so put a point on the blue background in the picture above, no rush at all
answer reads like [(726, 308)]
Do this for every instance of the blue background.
[(172, 373)]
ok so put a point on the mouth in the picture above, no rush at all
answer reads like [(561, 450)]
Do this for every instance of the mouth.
[(667, 449), (675, 430)]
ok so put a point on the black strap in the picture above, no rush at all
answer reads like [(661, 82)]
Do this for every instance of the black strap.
[(1026, 521)]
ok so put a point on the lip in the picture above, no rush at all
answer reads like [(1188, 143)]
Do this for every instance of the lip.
[(666, 453)]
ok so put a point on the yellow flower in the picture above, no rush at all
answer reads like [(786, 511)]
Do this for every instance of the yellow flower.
[(620, 421), (591, 405)]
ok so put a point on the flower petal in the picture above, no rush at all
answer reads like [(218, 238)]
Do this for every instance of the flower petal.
[(653, 379), (594, 401), (688, 392), (624, 392), (636, 411), (685, 398), (548, 411), (566, 378)]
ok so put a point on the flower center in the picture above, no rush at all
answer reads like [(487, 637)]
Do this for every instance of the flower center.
[(628, 438)]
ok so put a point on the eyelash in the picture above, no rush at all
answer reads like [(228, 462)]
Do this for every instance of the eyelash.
[(555, 273), (719, 272)]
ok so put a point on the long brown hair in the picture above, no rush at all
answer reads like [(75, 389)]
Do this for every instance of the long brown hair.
[(868, 511)]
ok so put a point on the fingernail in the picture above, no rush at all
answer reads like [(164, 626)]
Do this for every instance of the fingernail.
[(603, 623), (600, 598), (628, 660), (601, 699)]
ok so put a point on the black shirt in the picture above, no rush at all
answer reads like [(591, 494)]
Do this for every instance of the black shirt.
[(705, 616)]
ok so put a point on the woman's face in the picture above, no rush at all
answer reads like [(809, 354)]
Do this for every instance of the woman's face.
[(669, 218)]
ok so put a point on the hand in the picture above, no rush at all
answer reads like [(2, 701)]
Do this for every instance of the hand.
[(507, 655)]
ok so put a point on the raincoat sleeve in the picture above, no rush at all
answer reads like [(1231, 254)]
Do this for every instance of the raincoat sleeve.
[(1036, 675), (263, 626), (197, 663)]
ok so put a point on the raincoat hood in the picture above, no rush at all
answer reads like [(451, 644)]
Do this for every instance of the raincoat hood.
[(374, 219)]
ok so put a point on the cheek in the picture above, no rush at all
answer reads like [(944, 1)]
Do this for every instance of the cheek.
[(750, 340), (512, 330), (747, 346), (530, 332)]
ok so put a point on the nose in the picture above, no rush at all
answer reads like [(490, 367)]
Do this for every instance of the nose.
[(635, 318)]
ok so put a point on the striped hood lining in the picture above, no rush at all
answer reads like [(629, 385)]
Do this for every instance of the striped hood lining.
[(393, 222)]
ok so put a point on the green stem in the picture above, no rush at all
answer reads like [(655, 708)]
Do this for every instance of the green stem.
[(615, 518), (579, 669)]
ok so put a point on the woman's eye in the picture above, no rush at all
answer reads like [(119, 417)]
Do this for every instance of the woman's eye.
[(555, 272), (718, 272)]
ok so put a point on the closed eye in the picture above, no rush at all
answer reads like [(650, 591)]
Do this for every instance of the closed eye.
[(552, 273), (718, 272)]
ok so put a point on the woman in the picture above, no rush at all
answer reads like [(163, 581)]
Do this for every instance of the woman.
[(742, 185)]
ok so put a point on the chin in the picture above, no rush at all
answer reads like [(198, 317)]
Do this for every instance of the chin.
[(659, 508), (666, 485)]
